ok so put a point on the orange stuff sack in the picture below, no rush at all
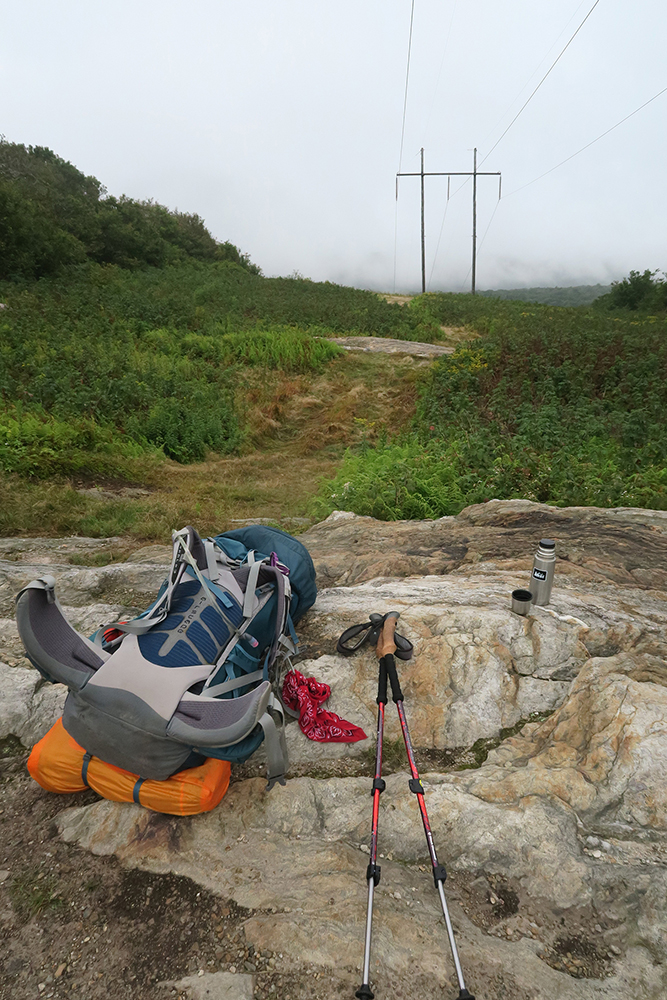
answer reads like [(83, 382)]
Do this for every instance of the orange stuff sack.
[(57, 763)]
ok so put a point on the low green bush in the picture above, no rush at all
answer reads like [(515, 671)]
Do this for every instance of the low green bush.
[(42, 446), (395, 481), (129, 360), (288, 349), (189, 426), (562, 406)]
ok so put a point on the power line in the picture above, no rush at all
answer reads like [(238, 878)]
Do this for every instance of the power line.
[(534, 73), (554, 63), (442, 225), (566, 160), (536, 88), (407, 79), (442, 63), (562, 52), (589, 144), (400, 155), (481, 242), (437, 246), (428, 121)]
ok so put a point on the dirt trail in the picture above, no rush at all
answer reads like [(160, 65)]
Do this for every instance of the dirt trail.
[(299, 427)]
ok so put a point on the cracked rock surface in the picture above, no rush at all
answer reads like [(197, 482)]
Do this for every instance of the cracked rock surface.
[(542, 743)]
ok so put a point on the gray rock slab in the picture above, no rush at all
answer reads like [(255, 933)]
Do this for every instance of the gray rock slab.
[(28, 706), (538, 811), (626, 545), (571, 808), (478, 668), (134, 583), (308, 895), (47, 550), (160, 554), (385, 345), (217, 986)]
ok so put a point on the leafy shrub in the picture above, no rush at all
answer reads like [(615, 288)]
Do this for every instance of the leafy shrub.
[(185, 429), (144, 357), (393, 482), (573, 295), (563, 406), (52, 215), (41, 446), (642, 291)]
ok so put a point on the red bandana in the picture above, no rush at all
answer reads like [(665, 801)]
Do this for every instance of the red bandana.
[(306, 695)]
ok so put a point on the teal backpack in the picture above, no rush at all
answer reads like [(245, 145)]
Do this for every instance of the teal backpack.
[(196, 674)]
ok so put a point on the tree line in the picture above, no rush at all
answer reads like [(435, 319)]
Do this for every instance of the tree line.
[(52, 215)]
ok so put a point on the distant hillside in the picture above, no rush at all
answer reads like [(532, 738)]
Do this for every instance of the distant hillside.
[(576, 295)]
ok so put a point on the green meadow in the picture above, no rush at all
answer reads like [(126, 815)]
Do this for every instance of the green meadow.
[(150, 375)]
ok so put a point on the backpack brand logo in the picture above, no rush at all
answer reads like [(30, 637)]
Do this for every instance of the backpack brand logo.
[(189, 618)]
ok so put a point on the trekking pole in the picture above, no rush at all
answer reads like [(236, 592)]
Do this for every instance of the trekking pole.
[(373, 871), (386, 649)]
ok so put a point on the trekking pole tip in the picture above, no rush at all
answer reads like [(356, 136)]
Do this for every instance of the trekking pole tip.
[(464, 995), (365, 992)]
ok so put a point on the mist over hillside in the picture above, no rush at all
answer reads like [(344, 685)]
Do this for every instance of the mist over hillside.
[(574, 295)]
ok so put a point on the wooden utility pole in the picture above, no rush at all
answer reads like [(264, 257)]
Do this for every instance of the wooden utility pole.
[(474, 219), (423, 238), (449, 174)]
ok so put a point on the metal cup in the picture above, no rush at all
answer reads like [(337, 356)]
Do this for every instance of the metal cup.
[(521, 601)]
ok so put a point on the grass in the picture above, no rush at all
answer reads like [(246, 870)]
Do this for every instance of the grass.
[(32, 892), (481, 748), (395, 480), (101, 367), (284, 348), (298, 427)]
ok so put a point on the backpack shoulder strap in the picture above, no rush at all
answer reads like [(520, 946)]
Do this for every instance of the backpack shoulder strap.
[(60, 653)]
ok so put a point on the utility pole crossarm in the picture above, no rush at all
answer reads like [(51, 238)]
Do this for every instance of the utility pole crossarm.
[(474, 173), (453, 173)]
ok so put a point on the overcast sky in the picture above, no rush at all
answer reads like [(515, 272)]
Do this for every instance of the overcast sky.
[(279, 122)]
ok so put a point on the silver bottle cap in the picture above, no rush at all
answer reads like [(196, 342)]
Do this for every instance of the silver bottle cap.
[(521, 601)]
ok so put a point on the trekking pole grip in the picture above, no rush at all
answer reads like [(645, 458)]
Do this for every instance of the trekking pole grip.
[(396, 693), (385, 650), (382, 684), (386, 642)]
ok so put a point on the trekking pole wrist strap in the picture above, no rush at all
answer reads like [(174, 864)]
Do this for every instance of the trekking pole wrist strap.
[(368, 633)]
